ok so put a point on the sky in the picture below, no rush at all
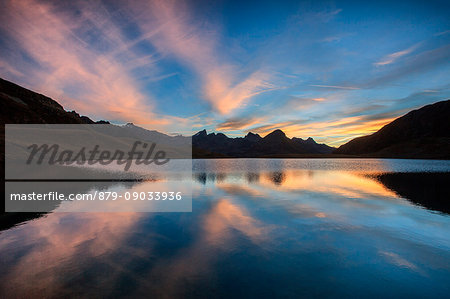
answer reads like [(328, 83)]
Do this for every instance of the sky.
[(331, 70)]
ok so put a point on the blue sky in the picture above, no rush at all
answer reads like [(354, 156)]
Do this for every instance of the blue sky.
[(332, 70)]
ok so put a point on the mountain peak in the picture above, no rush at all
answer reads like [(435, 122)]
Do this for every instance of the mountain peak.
[(252, 136), (276, 133), (311, 140), (201, 133)]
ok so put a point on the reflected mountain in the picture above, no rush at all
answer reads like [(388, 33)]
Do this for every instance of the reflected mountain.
[(277, 177), (204, 177), (252, 177), (427, 189)]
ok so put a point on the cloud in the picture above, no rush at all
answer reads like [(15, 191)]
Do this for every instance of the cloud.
[(266, 129), (105, 59), (330, 39), (74, 59), (331, 132), (335, 38), (419, 63), (391, 58), (335, 86), (442, 33), (225, 86), (80, 55), (323, 16), (353, 121), (296, 104), (239, 123)]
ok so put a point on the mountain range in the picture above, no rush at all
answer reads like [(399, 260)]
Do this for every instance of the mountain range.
[(275, 144), (422, 133)]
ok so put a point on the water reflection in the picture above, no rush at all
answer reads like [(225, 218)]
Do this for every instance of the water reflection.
[(258, 228), (38, 257), (346, 184), (428, 189), (8, 220)]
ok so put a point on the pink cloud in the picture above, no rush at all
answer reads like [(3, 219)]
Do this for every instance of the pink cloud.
[(102, 84), (197, 47)]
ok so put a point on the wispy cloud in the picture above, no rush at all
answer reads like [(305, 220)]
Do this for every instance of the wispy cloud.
[(352, 121), (335, 86), (141, 60), (196, 46), (326, 15), (86, 61), (331, 132), (417, 64), (391, 58), (70, 66), (442, 33), (239, 123)]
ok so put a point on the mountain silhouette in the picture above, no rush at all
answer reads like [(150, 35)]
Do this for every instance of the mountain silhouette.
[(422, 133), (311, 146), (22, 106), (275, 144)]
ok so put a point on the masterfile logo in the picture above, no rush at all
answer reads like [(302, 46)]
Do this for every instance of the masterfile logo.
[(99, 167)]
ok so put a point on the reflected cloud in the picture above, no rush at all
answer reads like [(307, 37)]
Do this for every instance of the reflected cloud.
[(348, 185), (219, 227), (237, 189), (399, 261), (226, 216), (305, 190), (307, 212), (58, 241)]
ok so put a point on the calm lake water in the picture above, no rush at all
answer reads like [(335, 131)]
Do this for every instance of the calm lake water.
[(259, 228)]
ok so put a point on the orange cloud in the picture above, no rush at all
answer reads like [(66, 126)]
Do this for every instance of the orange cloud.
[(239, 123), (330, 132), (102, 83), (197, 47), (391, 58)]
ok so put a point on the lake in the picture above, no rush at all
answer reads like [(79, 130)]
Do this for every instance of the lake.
[(258, 228)]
